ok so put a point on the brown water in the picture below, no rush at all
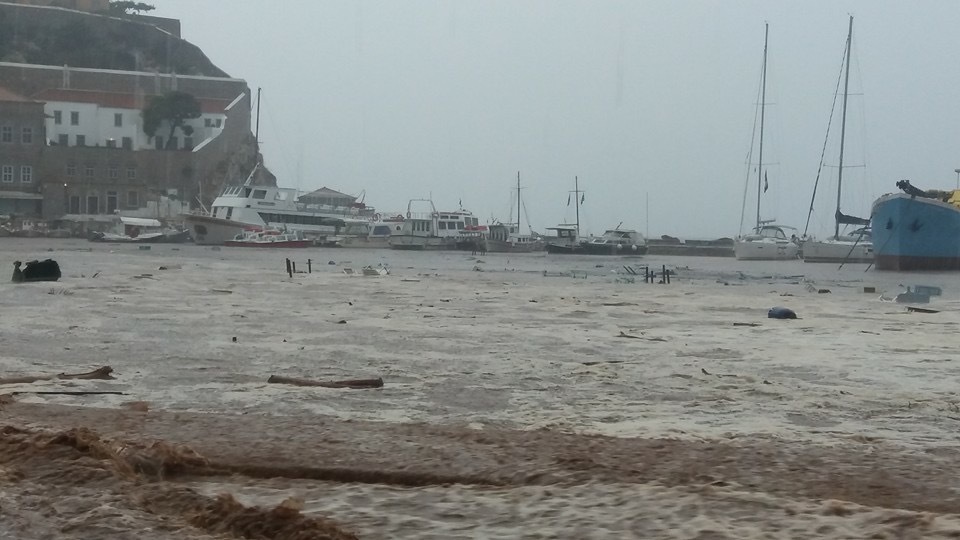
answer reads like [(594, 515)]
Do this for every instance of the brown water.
[(498, 380)]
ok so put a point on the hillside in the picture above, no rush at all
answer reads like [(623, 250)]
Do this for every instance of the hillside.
[(57, 37)]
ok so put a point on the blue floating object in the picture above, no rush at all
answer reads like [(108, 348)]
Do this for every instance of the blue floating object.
[(781, 313)]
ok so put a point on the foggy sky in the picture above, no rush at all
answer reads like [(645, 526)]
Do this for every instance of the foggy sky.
[(451, 98)]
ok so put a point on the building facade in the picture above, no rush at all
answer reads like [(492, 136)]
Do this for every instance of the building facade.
[(88, 155), (22, 145)]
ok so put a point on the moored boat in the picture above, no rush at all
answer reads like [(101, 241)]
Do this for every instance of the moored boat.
[(768, 241), (615, 241), (142, 231), (318, 214), (435, 230), (259, 238), (917, 229), (856, 246)]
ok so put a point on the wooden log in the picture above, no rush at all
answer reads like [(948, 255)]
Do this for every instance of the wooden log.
[(352, 383), (103, 373), (71, 393)]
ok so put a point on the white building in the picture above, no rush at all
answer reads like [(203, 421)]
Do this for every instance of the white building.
[(114, 120)]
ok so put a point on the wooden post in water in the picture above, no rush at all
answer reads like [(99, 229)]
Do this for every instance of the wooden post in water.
[(309, 266), (293, 265), (289, 269)]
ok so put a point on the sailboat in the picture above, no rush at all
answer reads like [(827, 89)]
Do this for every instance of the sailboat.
[(856, 246), (769, 241), (506, 237)]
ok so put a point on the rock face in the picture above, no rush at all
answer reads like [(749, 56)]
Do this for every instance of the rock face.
[(57, 37)]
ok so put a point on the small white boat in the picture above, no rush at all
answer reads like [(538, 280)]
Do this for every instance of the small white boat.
[(140, 230), (269, 239)]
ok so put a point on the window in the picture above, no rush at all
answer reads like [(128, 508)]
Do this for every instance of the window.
[(112, 202), (131, 173), (93, 204), (133, 199), (74, 118), (443, 225), (58, 117), (219, 122), (63, 139), (127, 143), (259, 194), (114, 173), (26, 174), (6, 173), (111, 143), (118, 119), (74, 204), (81, 140), (6, 134), (88, 172), (208, 122), (158, 142), (188, 143), (71, 170)]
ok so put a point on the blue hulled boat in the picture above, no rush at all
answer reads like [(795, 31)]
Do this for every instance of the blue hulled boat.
[(917, 229)]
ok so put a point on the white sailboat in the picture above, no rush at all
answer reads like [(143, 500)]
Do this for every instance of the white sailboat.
[(856, 246), (768, 241)]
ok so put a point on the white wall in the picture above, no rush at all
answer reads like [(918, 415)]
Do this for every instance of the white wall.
[(98, 126)]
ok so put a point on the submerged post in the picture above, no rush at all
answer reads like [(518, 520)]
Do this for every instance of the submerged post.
[(293, 266), (289, 269), (309, 266)]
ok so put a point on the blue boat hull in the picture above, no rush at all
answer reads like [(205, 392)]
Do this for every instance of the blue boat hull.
[(915, 233)]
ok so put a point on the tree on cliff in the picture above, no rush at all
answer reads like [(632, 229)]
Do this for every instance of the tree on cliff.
[(173, 107), (124, 6)]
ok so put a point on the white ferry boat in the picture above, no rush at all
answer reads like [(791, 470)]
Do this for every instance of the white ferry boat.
[(317, 214)]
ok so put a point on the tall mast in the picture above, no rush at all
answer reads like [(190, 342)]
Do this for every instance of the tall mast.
[(518, 202), (256, 134), (576, 195), (843, 129), (763, 104)]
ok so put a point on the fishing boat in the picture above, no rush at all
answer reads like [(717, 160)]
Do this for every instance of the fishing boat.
[(566, 239), (433, 230), (269, 238), (768, 241), (917, 229), (507, 238), (856, 246)]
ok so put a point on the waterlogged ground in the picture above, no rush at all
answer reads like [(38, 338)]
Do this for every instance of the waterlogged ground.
[(503, 378)]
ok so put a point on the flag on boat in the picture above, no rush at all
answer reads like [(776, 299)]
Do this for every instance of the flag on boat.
[(766, 185), (568, 199), (582, 197)]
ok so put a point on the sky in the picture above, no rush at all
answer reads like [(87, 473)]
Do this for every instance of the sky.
[(650, 104)]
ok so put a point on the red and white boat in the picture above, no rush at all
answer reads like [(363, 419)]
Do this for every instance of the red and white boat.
[(269, 239)]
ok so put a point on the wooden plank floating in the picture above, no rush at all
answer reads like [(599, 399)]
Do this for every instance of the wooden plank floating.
[(351, 383)]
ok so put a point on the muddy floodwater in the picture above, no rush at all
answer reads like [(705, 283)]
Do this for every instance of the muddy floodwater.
[(524, 396)]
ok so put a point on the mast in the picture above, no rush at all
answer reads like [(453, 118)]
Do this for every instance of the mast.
[(763, 104), (518, 202), (843, 129), (256, 134), (576, 196)]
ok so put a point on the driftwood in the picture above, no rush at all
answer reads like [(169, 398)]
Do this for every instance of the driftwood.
[(103, 373), (72, 393), (354, 383)]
